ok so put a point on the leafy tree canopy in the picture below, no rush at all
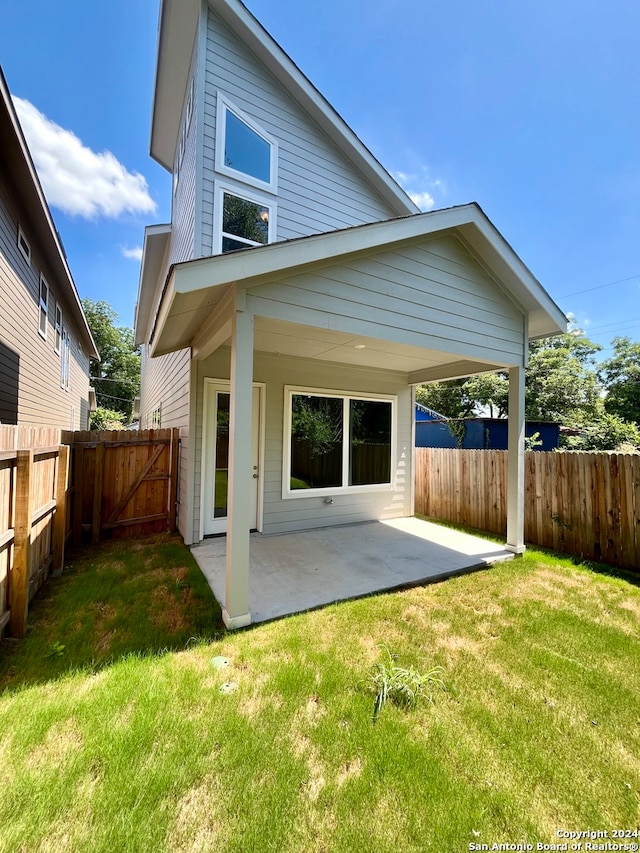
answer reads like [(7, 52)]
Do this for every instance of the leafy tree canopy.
[(620, 375), (563, 384), (116, 377)]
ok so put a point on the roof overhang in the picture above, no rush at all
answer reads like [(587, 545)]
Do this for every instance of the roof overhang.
[(194, 289), (18, 166), (177, 30), (156, 240)]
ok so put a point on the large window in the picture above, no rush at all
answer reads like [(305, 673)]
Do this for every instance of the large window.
[(336, 442), (243, 150)]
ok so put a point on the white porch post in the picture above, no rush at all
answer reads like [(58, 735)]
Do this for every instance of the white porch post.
[(515, 463), (236, 603)]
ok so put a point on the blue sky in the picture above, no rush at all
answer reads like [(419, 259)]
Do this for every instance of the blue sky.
[(530, 109)]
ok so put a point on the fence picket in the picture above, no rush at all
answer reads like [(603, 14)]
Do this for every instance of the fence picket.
[(586, 504)]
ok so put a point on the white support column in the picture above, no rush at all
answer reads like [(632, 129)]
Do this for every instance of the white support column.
[(236, 603), (515, 463)]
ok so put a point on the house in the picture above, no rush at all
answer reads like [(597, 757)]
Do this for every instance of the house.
[(297, 297), (45, 342), (482, 433)]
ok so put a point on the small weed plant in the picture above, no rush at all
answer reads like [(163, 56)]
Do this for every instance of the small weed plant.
[(400, 685)]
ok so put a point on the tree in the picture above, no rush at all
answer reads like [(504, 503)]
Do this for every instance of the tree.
[(620, 375), (563, 384), (116, 377)]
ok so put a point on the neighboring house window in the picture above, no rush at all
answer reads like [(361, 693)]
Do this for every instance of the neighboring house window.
[(244, 220), (24, 246), (65, 361), (156, 418), (243, 150), (58, 339), (44, 303), (337, 442)]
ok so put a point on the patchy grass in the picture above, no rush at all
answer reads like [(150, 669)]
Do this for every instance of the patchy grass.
[(538, 730), (115, 599)]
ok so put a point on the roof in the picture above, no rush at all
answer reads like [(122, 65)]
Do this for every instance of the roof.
[(178, 26), (16, 160), (156, 239), (195, 284)]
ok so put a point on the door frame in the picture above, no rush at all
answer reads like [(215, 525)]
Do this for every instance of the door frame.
[(210, 386)]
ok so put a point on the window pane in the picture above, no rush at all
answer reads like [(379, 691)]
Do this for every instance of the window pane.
[(245, 150), (222, 457), (229, 245), (242, 218), (316, 442), (370, 442)]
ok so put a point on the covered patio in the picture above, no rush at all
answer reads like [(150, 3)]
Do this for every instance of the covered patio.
[(293, 572)]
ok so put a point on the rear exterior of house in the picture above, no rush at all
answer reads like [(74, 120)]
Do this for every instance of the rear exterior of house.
[(297, 297), (45, 343)]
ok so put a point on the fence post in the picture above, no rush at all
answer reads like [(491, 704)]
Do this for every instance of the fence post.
[(96, 519), (78, 493), (173, 481), (21, 544), (60, 518)]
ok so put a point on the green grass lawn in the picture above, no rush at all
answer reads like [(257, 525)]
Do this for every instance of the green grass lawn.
[(116, 735)]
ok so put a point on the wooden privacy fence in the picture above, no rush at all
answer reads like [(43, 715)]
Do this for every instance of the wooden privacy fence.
[(584, 504), (33, 500), (80, 485), (125, 483)]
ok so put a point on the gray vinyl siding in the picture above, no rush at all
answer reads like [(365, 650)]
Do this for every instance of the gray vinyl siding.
[(30, 369), (318, 188), (300, 513), (432, 295)]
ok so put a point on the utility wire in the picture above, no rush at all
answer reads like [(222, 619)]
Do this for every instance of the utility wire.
[(599, 286)]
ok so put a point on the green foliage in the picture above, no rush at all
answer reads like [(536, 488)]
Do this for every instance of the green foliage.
[(116, 377), (563, 384), (400, 685), (106, 419), (532, 441), (318, 420), (621, 377)]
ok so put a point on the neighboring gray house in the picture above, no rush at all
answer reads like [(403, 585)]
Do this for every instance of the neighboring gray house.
[(298, 296), (45, 342)]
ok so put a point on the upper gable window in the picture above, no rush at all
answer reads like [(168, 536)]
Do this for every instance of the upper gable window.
[(244, 151)]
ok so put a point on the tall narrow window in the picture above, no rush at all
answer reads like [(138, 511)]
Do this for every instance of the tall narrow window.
[(44, 307), (58, 339), (244, 151), (65, 360), (24, 246)]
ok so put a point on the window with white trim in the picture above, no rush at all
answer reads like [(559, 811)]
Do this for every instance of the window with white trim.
[(243, 149), (58, 338), (44, 307), (242, 220), (337, 442), (24, 246), (65, 360)]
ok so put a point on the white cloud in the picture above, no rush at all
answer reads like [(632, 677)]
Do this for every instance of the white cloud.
[(420, 187), (76, 179), (134, 254), (424, 200)]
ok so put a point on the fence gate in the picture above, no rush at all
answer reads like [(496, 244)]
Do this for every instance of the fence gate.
[(124, 483)]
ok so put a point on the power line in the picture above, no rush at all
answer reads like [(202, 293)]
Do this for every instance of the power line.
[(599, 286), (111, 397)]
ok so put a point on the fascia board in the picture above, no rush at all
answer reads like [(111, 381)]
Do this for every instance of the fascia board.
[(156, 238)]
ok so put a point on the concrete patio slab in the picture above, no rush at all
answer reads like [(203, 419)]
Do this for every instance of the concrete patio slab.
[(293, 572)]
